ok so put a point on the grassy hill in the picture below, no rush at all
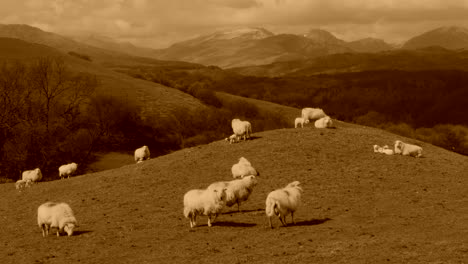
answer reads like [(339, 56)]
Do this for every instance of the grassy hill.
[(358, 206)]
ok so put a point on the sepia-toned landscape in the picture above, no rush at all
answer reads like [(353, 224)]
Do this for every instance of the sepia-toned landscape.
[(90, 83)]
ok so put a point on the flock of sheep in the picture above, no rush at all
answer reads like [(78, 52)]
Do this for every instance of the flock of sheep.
[(211, 201), (401, 148), (216, 196), (29, 177)]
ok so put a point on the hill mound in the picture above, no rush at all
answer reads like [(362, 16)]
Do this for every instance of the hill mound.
[(358, 206)]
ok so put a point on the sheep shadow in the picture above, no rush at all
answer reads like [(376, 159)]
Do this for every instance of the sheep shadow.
[(233, 224), (243, 211), (254, 137), (310, 222), (79, 233)]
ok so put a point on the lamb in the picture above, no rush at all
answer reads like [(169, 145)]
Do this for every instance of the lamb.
[(20, 184), (32, 175), (377, 148), (406, 149), (300, 120), (232, 138), (281, 202), (58, 215), (142, 154), (241, 128), (386, 150), (238, 190), (67, 170), (312, 113), (243, 168), (208, 202), (324, 122)]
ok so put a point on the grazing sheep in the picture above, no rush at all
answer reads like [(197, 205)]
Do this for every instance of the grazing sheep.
[(20, 184), (324, 122), (241, 128), (237, 190), (208, 202), (32, 175), (312, 113), (232, 138), (67, 170), (281, 202), (300, 120), (142, 154), (406, 149), (243, 168), (58, 215)]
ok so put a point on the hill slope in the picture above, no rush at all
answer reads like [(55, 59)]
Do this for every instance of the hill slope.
[(446, 37), (358, 206)]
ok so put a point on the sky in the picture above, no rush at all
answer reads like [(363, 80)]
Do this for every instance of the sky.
[(160, 23)]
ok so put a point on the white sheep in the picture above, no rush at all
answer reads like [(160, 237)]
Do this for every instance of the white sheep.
[(312, 113), (238, 190), (386, 150), (243, 168), (300, 120), (20, 184), (207, 202), (232, 138), (377, 148), (281, 202), (407, 149), (241, 128), (324, 122), (142, 154), (58, 215), (67, 170), (32, 175)]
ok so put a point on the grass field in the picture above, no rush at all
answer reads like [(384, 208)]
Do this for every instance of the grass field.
[(358, 206)]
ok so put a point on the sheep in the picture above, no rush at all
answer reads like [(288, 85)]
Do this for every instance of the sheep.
[(407, 149), (300, 120), (312, 113), (67, 170), (32, 175), (58, 215), (377, 148), (232, 138), (208, 202), (20, 184), (324, 122), (386, 150), (241, 128), (281, 202), (237, 191), (243, 168), (142, 154)]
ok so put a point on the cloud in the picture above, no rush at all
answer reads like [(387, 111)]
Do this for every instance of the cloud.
[(163, 21)]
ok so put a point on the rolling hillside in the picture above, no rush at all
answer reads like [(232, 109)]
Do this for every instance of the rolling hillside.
[(429, 58), (358, 206)]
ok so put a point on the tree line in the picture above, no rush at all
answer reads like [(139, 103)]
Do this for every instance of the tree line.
[(409, 103)]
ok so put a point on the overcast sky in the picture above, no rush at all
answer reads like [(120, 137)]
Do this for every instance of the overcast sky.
[(159, 23)]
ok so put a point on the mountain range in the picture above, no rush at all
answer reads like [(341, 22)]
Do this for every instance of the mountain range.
[(243, 47), (257, 46)]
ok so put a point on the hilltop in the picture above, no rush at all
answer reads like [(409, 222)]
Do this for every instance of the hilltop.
[(358, 206), (447, 37)]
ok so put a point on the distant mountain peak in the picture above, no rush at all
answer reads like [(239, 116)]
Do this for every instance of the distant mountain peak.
[(249, 32), (450, 37), (321, 36)]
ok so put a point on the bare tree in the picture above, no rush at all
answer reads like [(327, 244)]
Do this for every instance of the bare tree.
[(58, 89), (14, 95)]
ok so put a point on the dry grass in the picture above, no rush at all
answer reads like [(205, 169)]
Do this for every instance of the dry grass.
[(358, 206)]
